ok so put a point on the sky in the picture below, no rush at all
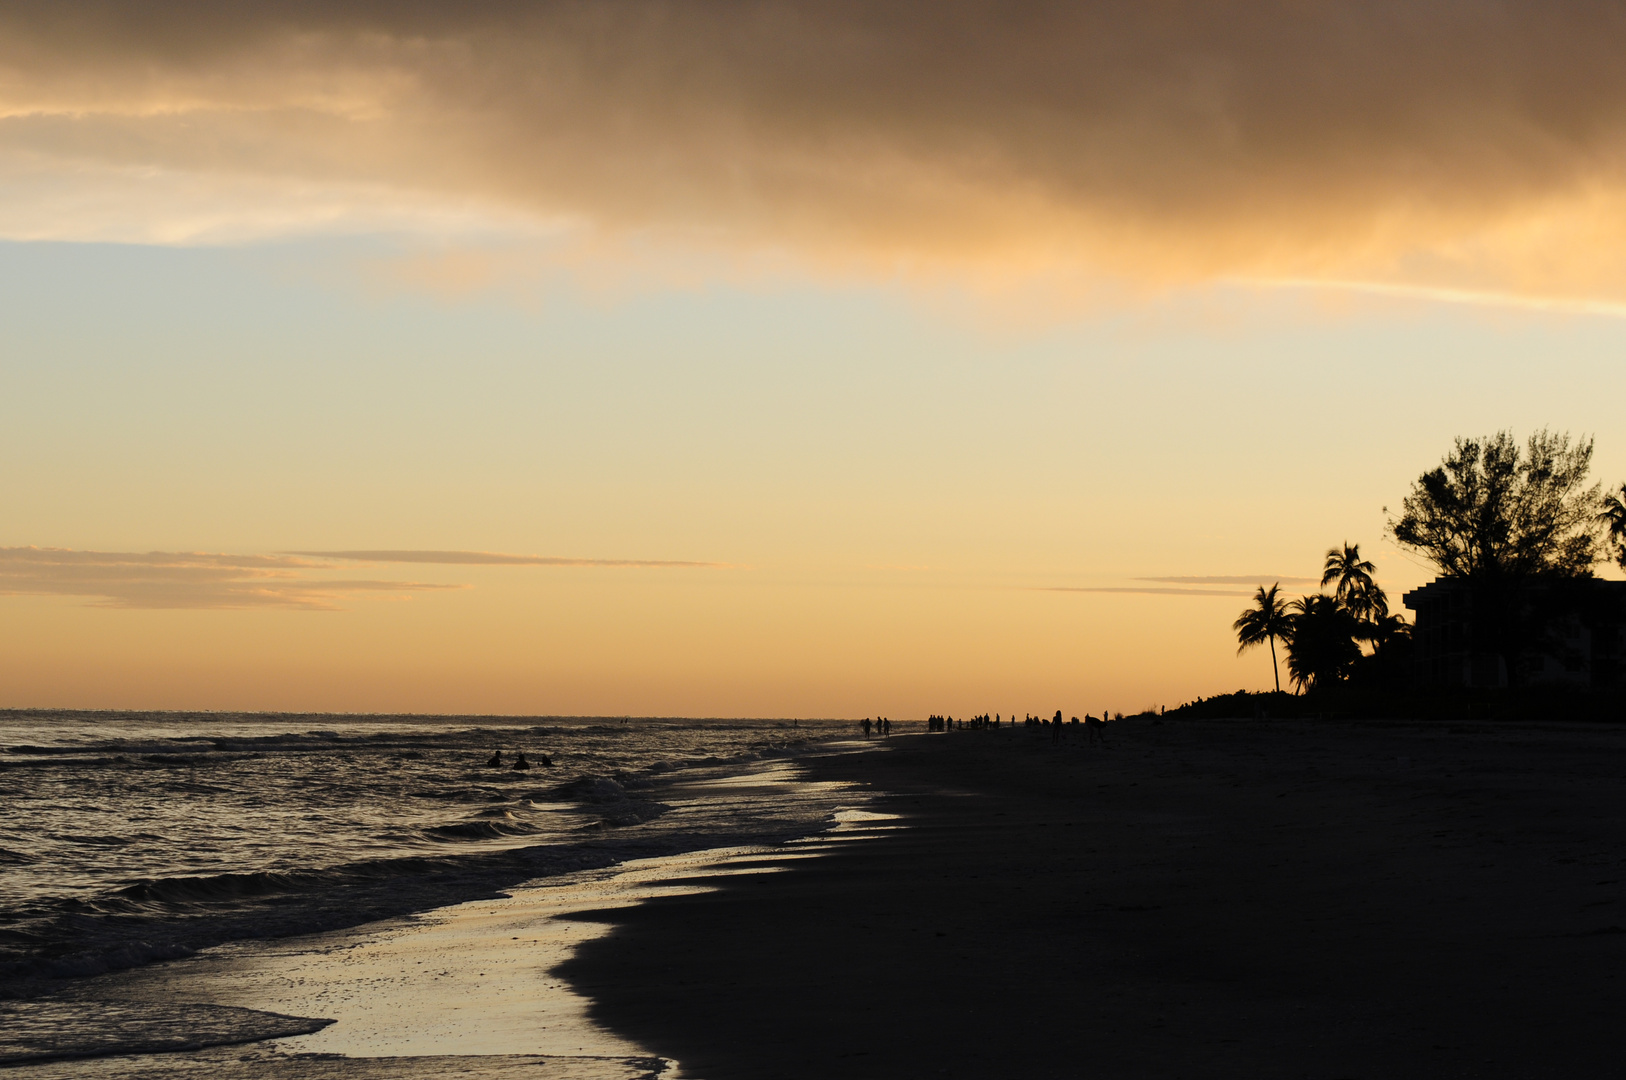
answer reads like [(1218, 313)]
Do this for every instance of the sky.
[(763, 359)]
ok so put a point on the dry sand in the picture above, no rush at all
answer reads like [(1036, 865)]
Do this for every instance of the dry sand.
[(1218, 899)]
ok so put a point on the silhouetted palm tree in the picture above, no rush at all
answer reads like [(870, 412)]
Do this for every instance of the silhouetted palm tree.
[(1357, 592), (1387, 629), (1348, 569), (1614, 516), (1321, 644), (1267, 620)]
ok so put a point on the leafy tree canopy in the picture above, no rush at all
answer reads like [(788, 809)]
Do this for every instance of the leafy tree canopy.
[(1356, 590), (1613, 518), (1321, 646), (1493, 510)]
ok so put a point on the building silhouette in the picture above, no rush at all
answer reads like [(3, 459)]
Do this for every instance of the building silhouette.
[(1569, 633)]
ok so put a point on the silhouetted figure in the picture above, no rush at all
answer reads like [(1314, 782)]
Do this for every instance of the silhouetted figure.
[(496, 759), (547, 762), (1094, 730), (520, 762), (865, 726)]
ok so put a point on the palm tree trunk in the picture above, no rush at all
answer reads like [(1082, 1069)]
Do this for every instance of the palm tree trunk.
[(1277, 670)]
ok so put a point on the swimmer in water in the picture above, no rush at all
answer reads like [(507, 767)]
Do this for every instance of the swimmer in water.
[(547, 762), (496, 759), (520, 762)]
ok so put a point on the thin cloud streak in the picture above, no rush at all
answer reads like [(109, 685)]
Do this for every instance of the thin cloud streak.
[(492, 558), (184, 580), (1454, 150), (1231, 579), (1615, 309), (1138, 590)]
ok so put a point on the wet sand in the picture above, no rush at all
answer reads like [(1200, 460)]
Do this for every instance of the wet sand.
[(1216, 899), (467, 990)]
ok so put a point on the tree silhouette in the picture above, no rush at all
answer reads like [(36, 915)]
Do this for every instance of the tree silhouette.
[(1320, 641), (1387, 629), (1499, 518), (1267, 620), (1489, 511), (1613, 517), (1355, 588), (1356, 591)]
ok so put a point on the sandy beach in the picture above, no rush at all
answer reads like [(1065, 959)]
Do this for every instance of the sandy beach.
[(1216, 899), (1195, 900)]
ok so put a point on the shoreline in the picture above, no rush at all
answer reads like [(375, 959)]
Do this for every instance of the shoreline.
[(466, 989), (1197, 899), (586, 818), (1246, 898)]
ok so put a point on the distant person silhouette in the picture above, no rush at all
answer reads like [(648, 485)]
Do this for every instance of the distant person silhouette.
[(1094, 730), (521, 763), (865, 726), (496, 759), (547, 762)]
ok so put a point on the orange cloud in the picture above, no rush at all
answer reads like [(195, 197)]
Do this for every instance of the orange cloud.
[(1411, 143)]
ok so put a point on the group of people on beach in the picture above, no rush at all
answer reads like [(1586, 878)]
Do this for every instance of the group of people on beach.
[(881, 726), (519, 763), (975, 723), (1094, 728)]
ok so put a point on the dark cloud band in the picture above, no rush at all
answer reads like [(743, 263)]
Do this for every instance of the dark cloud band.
[(1175, 136)]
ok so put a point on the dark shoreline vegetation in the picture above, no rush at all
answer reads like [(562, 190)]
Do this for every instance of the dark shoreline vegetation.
[(1516, 704), (1517, 625)]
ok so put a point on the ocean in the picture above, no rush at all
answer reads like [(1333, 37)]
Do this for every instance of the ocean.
[(128, 838)]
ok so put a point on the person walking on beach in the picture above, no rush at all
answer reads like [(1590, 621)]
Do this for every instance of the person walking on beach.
[(865, 725)]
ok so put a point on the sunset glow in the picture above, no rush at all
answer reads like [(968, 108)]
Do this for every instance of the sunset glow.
[(780, 359)]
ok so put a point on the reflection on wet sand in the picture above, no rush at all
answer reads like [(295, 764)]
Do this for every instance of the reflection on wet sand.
[(465, 990)]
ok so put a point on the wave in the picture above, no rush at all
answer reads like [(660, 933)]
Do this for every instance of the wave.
[(610, 801), (375, 855), (491, 825), (56, 1030), (168, 918)]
